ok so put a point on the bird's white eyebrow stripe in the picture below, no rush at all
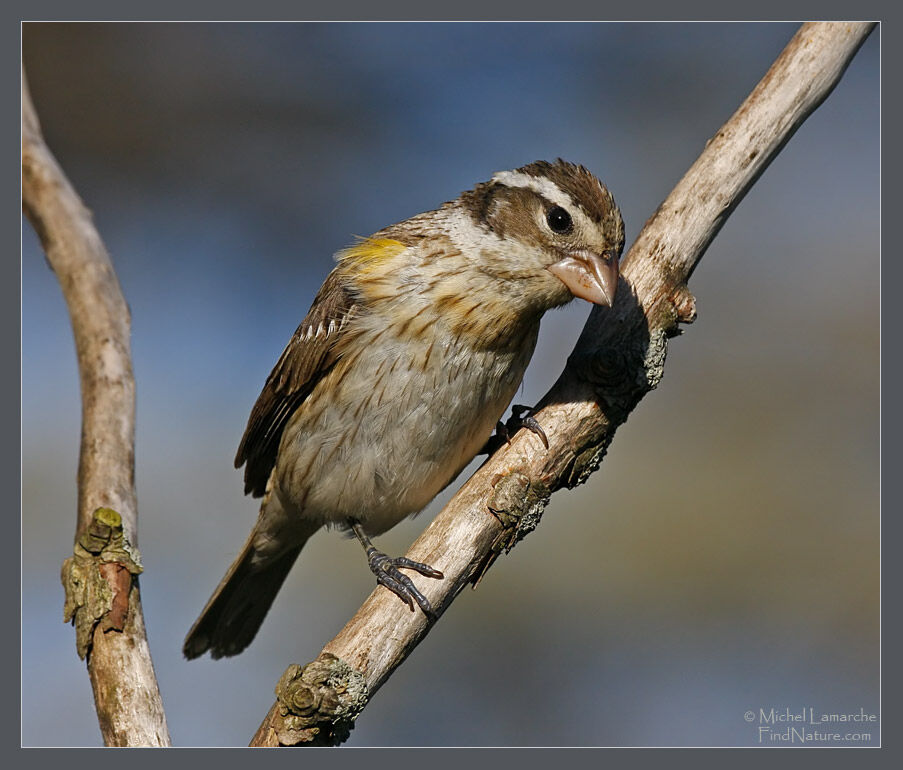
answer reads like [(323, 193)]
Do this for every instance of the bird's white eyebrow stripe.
[(545, 187)]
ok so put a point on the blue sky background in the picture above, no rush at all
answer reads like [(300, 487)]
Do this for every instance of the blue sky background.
[(724, 558)]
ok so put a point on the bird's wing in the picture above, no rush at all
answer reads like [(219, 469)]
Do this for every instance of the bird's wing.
[(306, 359)]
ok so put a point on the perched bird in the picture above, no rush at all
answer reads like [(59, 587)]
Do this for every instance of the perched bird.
[(409, 355)]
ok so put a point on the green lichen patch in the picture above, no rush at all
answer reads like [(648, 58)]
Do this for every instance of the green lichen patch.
[(89, 595), (319, 702), (518, 503)]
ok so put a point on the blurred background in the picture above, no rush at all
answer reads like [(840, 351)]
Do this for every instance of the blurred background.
[(725, 557)]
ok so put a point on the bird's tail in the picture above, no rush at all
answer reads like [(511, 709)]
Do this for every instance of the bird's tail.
[(230, 620)]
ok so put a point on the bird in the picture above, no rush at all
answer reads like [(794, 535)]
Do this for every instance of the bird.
[(409, 355)]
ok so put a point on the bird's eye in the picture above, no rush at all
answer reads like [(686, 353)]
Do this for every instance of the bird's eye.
[(559, 220)]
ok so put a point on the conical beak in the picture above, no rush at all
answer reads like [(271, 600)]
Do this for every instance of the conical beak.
[(589, 276)]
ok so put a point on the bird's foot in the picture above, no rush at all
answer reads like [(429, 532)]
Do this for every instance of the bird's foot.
[(388, 574), (521, 417)]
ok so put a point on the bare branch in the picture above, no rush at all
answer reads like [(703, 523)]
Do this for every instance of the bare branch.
[(102, 595), (619, 357)]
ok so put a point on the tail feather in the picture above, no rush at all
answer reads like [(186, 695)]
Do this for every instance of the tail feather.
[(233, 615)]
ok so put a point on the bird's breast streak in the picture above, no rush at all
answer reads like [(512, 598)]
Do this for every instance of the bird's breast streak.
[(383, 445)]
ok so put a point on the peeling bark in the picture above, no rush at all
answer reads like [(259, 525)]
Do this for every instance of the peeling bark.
[(102, 595)]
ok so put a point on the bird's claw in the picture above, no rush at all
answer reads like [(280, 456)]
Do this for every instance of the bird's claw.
[(522, 417), (387, 571)]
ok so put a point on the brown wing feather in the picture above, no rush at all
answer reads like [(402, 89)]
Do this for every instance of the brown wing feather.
[(305, 360)]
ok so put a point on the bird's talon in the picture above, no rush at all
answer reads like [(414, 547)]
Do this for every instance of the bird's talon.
[(387, 574), (424, 569), (522, 417), (531, 424)]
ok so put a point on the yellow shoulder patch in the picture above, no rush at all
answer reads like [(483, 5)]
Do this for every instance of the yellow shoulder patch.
[(370, 254)]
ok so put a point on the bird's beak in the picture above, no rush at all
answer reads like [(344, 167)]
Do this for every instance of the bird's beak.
[(589, 276)]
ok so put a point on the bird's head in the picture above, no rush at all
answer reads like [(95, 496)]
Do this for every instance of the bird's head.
[(551, 229), (493, 260)]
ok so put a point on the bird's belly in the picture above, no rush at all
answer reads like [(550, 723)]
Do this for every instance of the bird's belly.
[(378, 440)]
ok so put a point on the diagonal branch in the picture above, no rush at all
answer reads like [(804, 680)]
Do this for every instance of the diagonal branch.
[(619, 358), (102, 596)]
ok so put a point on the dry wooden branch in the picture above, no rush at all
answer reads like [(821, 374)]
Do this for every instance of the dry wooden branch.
[(102, 595), (619, 357)]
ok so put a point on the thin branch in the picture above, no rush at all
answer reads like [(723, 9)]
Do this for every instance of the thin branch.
[(102, 595), (619, 358)]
